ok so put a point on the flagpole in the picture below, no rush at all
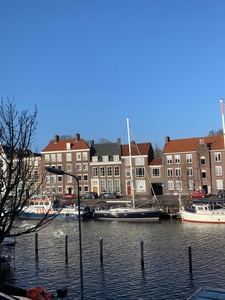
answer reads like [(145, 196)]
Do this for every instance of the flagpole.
[(222, 112)]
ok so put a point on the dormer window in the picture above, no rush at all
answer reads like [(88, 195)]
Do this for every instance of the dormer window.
[(115, 157), (105, 158), (94, 158), (68, 146)]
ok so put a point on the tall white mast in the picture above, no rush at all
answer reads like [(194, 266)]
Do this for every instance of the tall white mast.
[(131, 168), (222, 112)]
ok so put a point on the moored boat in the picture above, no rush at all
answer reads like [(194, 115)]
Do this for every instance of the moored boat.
[(112, 211), (202, 213), (40, 207)]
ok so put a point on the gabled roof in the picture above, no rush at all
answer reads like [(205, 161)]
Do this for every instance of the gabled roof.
[(60, 145), (191, 144), (136, 149), (106, 149), (156, 162)]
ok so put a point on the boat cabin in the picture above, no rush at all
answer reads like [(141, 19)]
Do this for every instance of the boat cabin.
[(198, 208)]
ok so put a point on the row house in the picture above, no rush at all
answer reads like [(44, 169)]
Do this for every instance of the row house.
[(156, 176), (24, 172), (73, 157), (138, 162), (193, 164), (106, 167), (100, 167)]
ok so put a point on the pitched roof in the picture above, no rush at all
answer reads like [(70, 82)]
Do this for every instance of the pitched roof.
[(60, 145), (136, 149), (106, 149), (191, 144), (156, 162)]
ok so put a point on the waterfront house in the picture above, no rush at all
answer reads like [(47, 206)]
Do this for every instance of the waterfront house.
[(193, 164)]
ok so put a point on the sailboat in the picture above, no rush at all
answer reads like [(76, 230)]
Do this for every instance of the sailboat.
[(112, 209)]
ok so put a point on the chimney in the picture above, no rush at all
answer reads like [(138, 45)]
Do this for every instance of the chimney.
[(167, 139), (119, 141), (77, 137), (56, 139)]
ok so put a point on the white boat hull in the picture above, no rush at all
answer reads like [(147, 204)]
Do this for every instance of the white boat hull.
[(212, 216)]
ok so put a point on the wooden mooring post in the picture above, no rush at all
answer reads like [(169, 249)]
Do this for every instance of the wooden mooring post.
[(190, 259), (142, 253), (66, 248), (101, 250), (36, 244)]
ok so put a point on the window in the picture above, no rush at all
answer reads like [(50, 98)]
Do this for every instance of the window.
[(36, 175), (59, 189), (127, 172), (52, 158), (85, 167), (170, 172), (217, 156), (94, 158), (177, 159), (68, 168), (115, 157), (110, 185), (105, 158), (218, 170), (170, 185), (140, 186), (53, 179), (169, 159), (68, 146), (59, 157), (102, 186), (47, 158), (68, 157), (190, 185), (139, 161), (109, 171), (155, 172), (140, 172), (188, 158), (85, 188), (219, 184), (78, 156), (60, 178), (69, 178), (177, 172), (203, 174), (202, 160), (79, 177), (94, 171), (117, 185), (127, 161), (178, 185), (48, 179), (78, 167), (189, 172), (116, 171), (102, 171), (85, 178), (84, 155)]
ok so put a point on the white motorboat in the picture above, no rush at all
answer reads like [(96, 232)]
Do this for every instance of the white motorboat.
[(202, 213), (40, 207)]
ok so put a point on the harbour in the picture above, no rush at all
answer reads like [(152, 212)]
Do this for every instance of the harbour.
[(165, 274)]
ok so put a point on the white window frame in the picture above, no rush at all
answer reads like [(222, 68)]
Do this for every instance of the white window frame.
[(217, 156), (218, 170), (139, 161), (189, 158), (169, 159), (219, 184), (170, 185), (177, 159), (169, 172)]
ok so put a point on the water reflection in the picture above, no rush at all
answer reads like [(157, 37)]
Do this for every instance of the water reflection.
[(166, 270)]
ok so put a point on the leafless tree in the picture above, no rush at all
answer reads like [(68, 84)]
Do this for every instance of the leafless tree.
[(18, 178)]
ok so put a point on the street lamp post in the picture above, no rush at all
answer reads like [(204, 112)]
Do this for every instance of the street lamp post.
[(60, 172)]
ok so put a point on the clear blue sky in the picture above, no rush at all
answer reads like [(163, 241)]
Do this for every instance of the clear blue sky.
[(90, 64)]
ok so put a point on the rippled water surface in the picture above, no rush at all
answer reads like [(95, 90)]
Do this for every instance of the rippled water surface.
[(166, 265)]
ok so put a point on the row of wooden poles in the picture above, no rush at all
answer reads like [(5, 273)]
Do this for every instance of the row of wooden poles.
[(101, 251)]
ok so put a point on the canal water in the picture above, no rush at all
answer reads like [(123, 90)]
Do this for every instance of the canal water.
[(166, 264)]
